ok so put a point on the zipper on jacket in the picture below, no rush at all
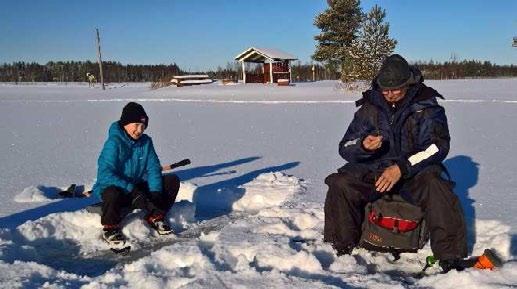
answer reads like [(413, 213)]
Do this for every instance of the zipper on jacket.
[(133, 165)]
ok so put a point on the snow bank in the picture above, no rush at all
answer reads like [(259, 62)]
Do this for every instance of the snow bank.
[(271, 240), (186, 192), (267, 190), (35, 194), (80, 230), (171, 267), (33, 275), (42, 193)]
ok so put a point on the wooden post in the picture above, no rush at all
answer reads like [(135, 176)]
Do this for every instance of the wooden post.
[(243, 71), (271, 71), (99, 58), (289, 67)]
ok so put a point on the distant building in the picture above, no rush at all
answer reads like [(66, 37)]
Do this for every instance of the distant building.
[(275, 65)]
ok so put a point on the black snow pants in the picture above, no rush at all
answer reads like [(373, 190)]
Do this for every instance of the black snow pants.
[(353, 187), (115, 201)]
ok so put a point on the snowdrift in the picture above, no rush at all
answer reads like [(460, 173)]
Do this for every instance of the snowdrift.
[(270, 240)]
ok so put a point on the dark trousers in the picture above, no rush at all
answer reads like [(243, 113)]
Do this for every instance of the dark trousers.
[(353, 187), (116, 202)]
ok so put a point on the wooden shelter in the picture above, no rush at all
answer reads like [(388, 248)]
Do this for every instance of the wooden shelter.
[(275, 65)]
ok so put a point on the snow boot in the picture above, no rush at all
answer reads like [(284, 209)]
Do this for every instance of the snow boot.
[(115, 239), (346, 250), (159, 223), (452, 264), (488, 261)]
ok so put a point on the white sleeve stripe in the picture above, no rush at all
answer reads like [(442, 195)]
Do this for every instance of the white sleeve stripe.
[(351, 142), (423, 155)]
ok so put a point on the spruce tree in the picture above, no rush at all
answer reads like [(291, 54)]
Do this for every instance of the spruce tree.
[(371, 46), (339, 24)]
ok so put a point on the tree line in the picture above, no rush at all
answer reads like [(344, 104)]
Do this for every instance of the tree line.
[(465, 69), (75, 71)]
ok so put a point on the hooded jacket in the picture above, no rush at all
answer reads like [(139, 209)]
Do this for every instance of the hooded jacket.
[(415, 134), (125, 162)]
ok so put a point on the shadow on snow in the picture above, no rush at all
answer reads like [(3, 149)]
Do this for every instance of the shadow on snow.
[(465, 172), (58, 206), (216, 199)]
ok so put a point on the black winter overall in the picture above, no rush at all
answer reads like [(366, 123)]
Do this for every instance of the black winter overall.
[(416, 138)]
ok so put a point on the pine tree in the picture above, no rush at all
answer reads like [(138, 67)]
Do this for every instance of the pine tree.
[(339, 24), (371, 46)]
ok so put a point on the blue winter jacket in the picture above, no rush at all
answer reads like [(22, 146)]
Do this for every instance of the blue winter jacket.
[(124, 162), (415, 135)]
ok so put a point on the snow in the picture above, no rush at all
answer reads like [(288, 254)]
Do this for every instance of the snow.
[(190, 76), (34, 194), (271, 53), (259, 156), (267, 190), (192, 81)]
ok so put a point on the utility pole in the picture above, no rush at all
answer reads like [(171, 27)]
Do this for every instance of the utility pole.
[(514, 44), (99, 58)]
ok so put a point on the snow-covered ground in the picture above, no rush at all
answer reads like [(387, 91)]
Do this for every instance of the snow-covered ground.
[(259, 156)]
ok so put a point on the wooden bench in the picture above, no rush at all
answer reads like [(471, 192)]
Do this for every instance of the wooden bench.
[(194, 79), (283, 82)]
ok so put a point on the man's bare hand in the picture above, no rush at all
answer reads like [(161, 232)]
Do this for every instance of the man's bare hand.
[(372, 142), (388, 179)]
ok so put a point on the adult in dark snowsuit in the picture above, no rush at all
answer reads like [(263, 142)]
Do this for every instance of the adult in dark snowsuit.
[(396, 142), (129, 175)]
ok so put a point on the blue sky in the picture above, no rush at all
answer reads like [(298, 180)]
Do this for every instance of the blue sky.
[(202, 34)]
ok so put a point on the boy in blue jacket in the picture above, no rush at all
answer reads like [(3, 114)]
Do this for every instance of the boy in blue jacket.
[(129, 176)]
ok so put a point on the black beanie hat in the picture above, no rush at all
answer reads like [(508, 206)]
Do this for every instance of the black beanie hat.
[(394, 73), (133, 112)]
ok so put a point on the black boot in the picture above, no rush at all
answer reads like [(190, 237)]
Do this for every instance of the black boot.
[(346, 250), (448, 265), (114, 237)]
